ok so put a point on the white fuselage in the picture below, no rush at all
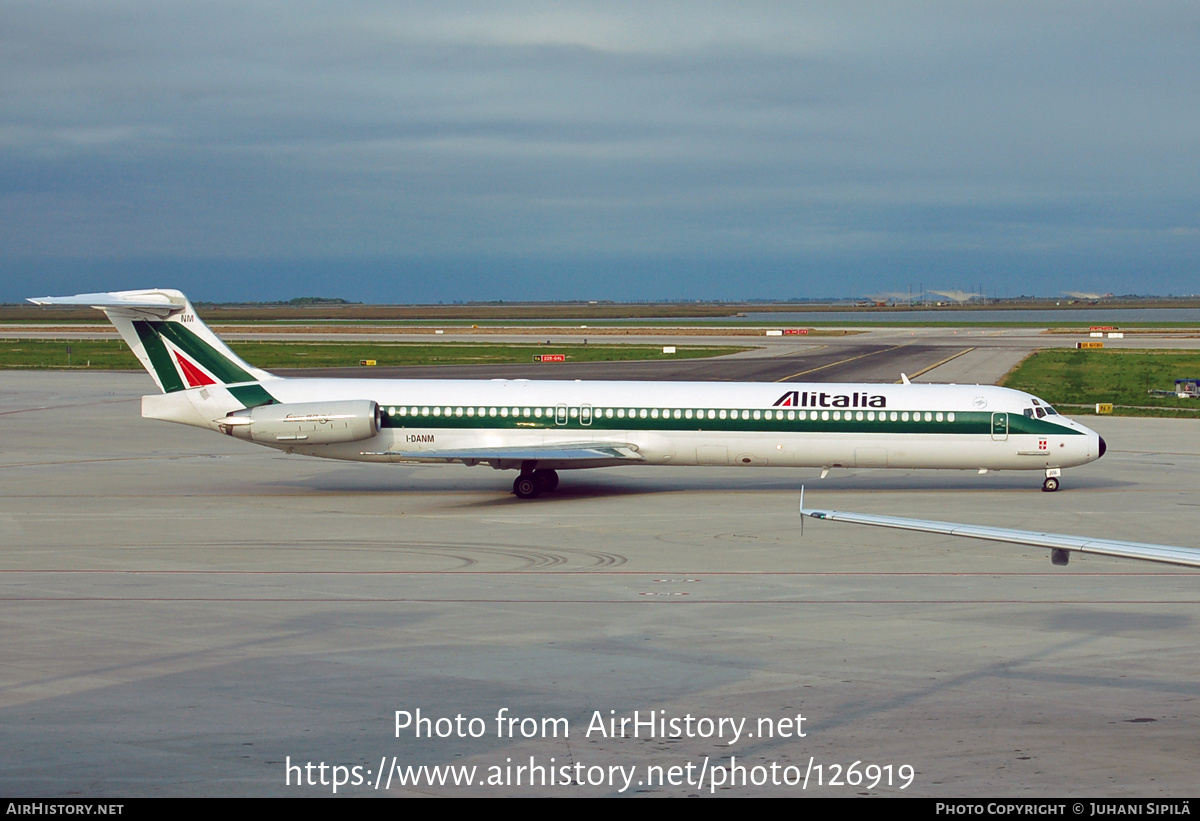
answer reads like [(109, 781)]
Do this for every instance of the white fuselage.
[(540, 427), (683, 423)]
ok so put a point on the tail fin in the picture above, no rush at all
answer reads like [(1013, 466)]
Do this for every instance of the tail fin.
[(161, 327)]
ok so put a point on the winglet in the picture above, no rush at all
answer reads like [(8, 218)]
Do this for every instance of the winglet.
[(816, 514)]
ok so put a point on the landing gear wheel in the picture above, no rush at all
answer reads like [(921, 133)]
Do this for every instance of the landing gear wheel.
[(1050, 485), (547, 480), (526, 486)]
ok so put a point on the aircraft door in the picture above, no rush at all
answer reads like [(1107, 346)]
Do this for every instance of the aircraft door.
[(560, 415), (585, 414), (999, 427)]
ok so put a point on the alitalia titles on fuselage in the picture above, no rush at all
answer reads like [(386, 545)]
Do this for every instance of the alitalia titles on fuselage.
[(815, 399)]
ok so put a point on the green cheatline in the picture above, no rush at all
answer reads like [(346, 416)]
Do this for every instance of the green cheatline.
[(776, 420), (115, 355), (1083, 378)]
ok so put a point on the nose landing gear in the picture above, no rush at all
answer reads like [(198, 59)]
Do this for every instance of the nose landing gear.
[(1051, 483)]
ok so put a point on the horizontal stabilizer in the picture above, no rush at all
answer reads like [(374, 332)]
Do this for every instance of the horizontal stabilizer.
[(164, 332), (157, 303)]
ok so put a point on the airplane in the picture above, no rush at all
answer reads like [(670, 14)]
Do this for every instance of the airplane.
[(541, 427), (956, 296), (1060, 544), (1090, 297)]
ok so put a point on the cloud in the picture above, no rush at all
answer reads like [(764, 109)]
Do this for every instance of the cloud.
[(819, 138)]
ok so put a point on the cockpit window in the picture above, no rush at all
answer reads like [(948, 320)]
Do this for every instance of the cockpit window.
[(1039, 409)]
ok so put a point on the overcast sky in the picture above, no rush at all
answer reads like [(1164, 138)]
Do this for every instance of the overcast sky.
[(424, 152)]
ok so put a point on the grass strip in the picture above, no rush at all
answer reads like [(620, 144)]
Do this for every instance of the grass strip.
[(115, 354), (1079, 379)]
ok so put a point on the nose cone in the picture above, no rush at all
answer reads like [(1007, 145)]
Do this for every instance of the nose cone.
[(1103, 447)]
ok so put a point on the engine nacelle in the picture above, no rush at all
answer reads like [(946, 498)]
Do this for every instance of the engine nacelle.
[(305, 423)]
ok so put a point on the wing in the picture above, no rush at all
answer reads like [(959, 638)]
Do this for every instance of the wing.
[(560, 457), (1057, 542)]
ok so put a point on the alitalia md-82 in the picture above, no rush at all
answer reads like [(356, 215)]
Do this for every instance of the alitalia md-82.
[(540, 427)]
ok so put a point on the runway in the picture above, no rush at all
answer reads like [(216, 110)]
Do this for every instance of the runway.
[(186, 614), (866, 362)]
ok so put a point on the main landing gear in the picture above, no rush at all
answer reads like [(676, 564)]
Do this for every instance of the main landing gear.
[(533, 483)]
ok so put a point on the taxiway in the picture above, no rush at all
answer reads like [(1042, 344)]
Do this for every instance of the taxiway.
[(186, 614)]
